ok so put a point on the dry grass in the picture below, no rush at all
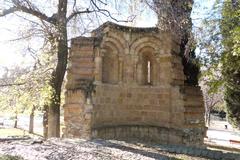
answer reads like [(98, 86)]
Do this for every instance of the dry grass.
[(8, 132)]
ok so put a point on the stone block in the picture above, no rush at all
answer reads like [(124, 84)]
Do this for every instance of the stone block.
[(175, 139), (73, 109), (177, 120)]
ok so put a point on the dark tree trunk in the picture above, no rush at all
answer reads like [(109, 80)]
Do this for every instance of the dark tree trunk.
[(31, 120), (58, 74), (234, 4), (15, 120), (45, 121), (54, 117), (208, 117)]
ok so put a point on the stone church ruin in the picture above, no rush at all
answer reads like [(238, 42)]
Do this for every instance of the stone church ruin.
[(127, 83)]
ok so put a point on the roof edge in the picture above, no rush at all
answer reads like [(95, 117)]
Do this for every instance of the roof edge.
[(124, 28)]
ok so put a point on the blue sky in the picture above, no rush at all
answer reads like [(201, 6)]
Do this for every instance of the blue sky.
[(11, 51)]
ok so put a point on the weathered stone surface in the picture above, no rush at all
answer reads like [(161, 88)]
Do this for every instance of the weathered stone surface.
[(128, 83)]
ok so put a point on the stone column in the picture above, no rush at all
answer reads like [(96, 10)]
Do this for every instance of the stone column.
[(120, 69), (98, 65), (158, 69), (135, 70), (165, 72), (139, 74)]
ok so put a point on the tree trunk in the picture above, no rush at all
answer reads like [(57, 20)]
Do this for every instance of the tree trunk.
[(15, 120), (31, 120), (54, 118), (209, 118), (174, 17), (206, 115), (58, 74), (234, 4), (45, 121)]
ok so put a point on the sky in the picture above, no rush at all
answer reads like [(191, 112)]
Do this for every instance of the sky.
[(12, 51), (7, 51)]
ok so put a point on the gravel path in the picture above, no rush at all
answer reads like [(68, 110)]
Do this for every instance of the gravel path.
[(67, 149)]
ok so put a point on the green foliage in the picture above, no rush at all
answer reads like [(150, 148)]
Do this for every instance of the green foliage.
[(219, 42), (33, 91), (233, 106), (220, 107), (230, 30), (8, 157), (208, 38)]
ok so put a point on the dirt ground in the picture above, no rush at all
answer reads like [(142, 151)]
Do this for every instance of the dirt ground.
[(67, 149), (35, 148)]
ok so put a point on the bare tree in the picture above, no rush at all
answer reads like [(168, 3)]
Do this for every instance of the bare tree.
[(212, 96), (211, 100), (58, 36)]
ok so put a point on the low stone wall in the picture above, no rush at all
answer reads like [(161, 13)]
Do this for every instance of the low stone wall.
[(154, 134)]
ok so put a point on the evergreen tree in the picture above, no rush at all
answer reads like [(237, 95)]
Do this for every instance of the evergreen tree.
[(230, 29)]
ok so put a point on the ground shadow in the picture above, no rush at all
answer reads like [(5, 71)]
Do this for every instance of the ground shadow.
[(134, 150)]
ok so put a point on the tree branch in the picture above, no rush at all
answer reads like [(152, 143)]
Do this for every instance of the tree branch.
[(8, 11), (75, 13), (19, 6), (105, 12), (12, 84)]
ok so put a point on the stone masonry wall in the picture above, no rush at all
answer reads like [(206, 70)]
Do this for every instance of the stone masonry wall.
[(112, 94), (80, 74), (194, 115)]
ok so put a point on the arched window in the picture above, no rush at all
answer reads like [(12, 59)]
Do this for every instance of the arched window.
[(110, 68), (149, 65), (145, 69)]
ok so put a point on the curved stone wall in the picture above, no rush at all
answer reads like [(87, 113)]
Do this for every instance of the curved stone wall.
[(128, 83)]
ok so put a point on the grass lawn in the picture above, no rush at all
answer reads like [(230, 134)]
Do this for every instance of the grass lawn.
[(5, 132)]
